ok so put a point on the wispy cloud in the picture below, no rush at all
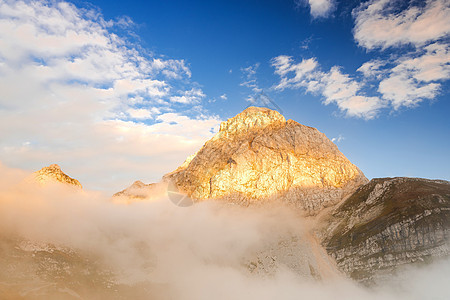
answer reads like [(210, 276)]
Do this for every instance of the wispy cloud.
[(249, 77), (335, 86), (338, 139), (191, 96)]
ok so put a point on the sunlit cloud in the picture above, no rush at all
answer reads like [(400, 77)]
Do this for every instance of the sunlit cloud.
[(379, 24), (68, 77)]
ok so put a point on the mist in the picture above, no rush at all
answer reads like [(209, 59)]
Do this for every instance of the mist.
[(190, 253)]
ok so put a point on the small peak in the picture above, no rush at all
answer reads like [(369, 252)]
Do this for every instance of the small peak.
[(53, 173), (138, 183)]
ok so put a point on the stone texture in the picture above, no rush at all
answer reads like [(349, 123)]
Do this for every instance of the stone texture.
[(53, 173), (258, 155), (388, 223)]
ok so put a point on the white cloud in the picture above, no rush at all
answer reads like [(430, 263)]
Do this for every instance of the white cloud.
[(249, 77), (404, 79), (413, 75), (318, 8), (69, 88), (143, 113), (334, 86), (372, 68), (321, 8), (378, 23), (338, 139), (224, 97), (191, 96)]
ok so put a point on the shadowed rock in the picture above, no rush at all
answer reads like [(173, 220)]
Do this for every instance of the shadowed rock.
[(388, 223)]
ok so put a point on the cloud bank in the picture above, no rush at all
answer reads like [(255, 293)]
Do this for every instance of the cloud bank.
[(74, 88), (197, 252)]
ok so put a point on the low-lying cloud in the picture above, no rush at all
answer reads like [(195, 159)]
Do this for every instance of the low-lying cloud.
[(196, 252)]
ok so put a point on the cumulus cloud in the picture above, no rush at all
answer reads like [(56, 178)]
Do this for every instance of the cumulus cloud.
[(319, 8), (379, 24), (68, 77), (412, 77), (335, 86), (371, 69), (403, 79)]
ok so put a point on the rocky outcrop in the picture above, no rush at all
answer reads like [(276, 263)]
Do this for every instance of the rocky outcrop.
[(388, 223), (138, 190), (258, 155), (53, 173)]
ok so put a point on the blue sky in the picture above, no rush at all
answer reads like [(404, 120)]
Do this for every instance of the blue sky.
[(118, 91)]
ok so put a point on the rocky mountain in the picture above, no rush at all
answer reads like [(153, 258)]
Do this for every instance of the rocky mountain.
[(53, 173), (388, 223), (258, 155), (340, 224), (370, 229)]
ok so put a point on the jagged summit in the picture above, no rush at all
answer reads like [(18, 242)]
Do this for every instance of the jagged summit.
[(53, 173), (252, 118), (257, 155)]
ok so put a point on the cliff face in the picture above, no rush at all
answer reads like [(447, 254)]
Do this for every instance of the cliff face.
[(53, 173), (387, 223), (258, 155)]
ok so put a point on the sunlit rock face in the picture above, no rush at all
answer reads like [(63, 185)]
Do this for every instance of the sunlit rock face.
[(388, 223), (258, 155), (53, 174)]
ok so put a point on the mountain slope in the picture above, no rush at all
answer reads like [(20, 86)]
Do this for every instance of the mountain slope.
[(258, 155), (388, 223)]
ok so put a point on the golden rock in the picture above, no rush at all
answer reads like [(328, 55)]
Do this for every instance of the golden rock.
[(53, 173), (258, 155)]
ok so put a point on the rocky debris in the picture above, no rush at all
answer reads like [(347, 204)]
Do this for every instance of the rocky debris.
[(53, 173), (258, 155), (387, 223)]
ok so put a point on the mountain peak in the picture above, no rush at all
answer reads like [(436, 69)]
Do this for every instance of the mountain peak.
[(257, 155), (53, 173), (252, 118)]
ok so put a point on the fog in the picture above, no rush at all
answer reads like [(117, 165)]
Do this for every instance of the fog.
[(196, 252)]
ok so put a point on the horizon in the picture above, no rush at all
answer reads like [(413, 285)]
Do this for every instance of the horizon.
[(120, 92)]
